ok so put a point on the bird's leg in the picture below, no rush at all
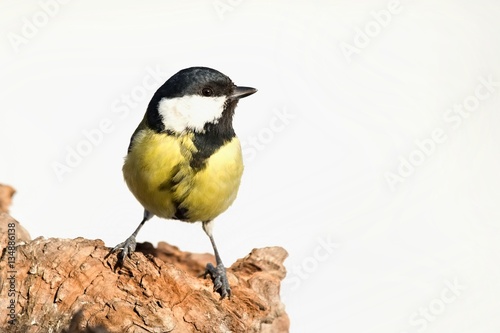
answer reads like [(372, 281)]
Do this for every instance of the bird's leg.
[(217, 273), (128, 246)]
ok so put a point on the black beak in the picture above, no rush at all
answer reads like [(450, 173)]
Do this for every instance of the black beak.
[(240, 92)]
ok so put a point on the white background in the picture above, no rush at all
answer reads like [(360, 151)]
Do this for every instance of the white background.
[(318, 177)]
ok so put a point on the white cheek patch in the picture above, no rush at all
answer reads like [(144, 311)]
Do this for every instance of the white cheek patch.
[(190, 112)]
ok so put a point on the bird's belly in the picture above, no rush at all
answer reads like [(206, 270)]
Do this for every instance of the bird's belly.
[(159, 175), (214, 187)]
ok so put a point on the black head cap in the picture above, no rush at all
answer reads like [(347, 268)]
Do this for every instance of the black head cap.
[(192, 81)]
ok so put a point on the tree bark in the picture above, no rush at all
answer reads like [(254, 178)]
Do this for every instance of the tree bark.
[(6, 194), (66, 286)]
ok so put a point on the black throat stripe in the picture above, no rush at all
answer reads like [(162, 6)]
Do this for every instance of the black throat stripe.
[(206, 144)]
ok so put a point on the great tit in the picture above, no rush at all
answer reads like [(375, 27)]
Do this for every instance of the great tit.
[(184, 160)]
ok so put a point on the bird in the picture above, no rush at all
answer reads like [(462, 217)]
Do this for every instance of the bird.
[(184, 161)]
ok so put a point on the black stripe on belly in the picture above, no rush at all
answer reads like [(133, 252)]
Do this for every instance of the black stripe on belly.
[(206, 144), (180, 213), (176, 177)]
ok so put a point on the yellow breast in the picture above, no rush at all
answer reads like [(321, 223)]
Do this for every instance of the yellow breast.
[(158, 173)]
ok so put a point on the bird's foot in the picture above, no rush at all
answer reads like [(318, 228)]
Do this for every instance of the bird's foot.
[(127, 247), (219, 278)]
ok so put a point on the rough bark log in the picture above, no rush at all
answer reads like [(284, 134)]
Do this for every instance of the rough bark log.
[(6, 194), (66, 286), (7, 223)]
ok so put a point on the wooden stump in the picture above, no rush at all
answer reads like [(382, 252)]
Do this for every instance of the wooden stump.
[(66, 286)]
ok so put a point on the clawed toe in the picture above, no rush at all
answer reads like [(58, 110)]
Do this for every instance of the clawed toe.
[(219, 279), (127, 248)]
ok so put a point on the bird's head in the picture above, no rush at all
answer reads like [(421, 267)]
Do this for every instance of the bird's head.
[(195, 99)]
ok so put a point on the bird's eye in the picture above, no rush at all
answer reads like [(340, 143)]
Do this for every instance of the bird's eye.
[(207, 92)]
